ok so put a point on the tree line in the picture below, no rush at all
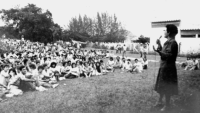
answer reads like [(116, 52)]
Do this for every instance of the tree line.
[(34, 24), (102, 28)]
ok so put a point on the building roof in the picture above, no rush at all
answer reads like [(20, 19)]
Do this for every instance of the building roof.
[(165, 21), (191, 29)]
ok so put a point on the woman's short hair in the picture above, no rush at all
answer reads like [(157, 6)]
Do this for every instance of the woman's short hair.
[(40, 67), (25, 61), (101, 61), (44, 65), (22, 67), (172, 29), (73, 64), (5, 65), (64, 63), (53, 63), (13, 70), (32, 66), (111, 58)]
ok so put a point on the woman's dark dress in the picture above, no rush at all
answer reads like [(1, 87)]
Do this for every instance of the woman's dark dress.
[(167, 81)]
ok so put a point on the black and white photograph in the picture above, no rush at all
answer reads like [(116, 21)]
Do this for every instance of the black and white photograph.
[(99, 56)]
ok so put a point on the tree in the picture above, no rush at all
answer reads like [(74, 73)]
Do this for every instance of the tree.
[(56, 32), (80, 24), (143, 39), (102, 28), (29, 21)]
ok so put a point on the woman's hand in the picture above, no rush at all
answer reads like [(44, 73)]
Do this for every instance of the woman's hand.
[(156, 50)]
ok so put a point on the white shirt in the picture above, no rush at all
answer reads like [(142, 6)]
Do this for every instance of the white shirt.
[(124, 47), (70, 56), (74, 71), (118, 63), (139, 66), (46, 72), (111, 63), (3, 79), (189, 62), (65, 69), (128, 66), (4, 74)]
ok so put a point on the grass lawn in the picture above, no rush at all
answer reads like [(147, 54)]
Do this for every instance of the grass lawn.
[(113, 93)]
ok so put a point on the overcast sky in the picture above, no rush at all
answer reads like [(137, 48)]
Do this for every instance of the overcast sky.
[(135, 15)]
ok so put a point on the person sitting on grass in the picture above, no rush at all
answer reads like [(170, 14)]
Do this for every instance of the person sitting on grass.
[(184, 64), (92, 68), (66, 68), (32, 69), (55, 72), (4, 80), (127, 66), (80, 67), (94, 72), (189, 64), (103, 67), (26, 81), (137, 67), (193, 66), (46, 72), (123, 63), (118, 63), (86, 70), (4, 76), (74, 72), (110, 65), (14, 83), (40, 82)]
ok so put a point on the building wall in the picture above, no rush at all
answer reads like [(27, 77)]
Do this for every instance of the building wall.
[(188, 44)]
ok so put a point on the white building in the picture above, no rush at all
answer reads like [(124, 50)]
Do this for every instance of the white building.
[(188, 37)]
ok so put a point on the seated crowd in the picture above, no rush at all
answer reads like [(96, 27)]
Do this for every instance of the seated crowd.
[(34, 66), (191, 64)]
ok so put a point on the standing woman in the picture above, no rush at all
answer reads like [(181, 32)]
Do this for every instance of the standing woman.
[(124, 51), (145, 50), (167, 81), (141, 48)]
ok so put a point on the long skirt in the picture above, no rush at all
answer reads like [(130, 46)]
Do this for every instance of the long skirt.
[(167, 81)]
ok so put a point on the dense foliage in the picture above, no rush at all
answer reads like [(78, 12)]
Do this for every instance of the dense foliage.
[(31, 23), (103, 28), (142, 39), (34, 24)]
